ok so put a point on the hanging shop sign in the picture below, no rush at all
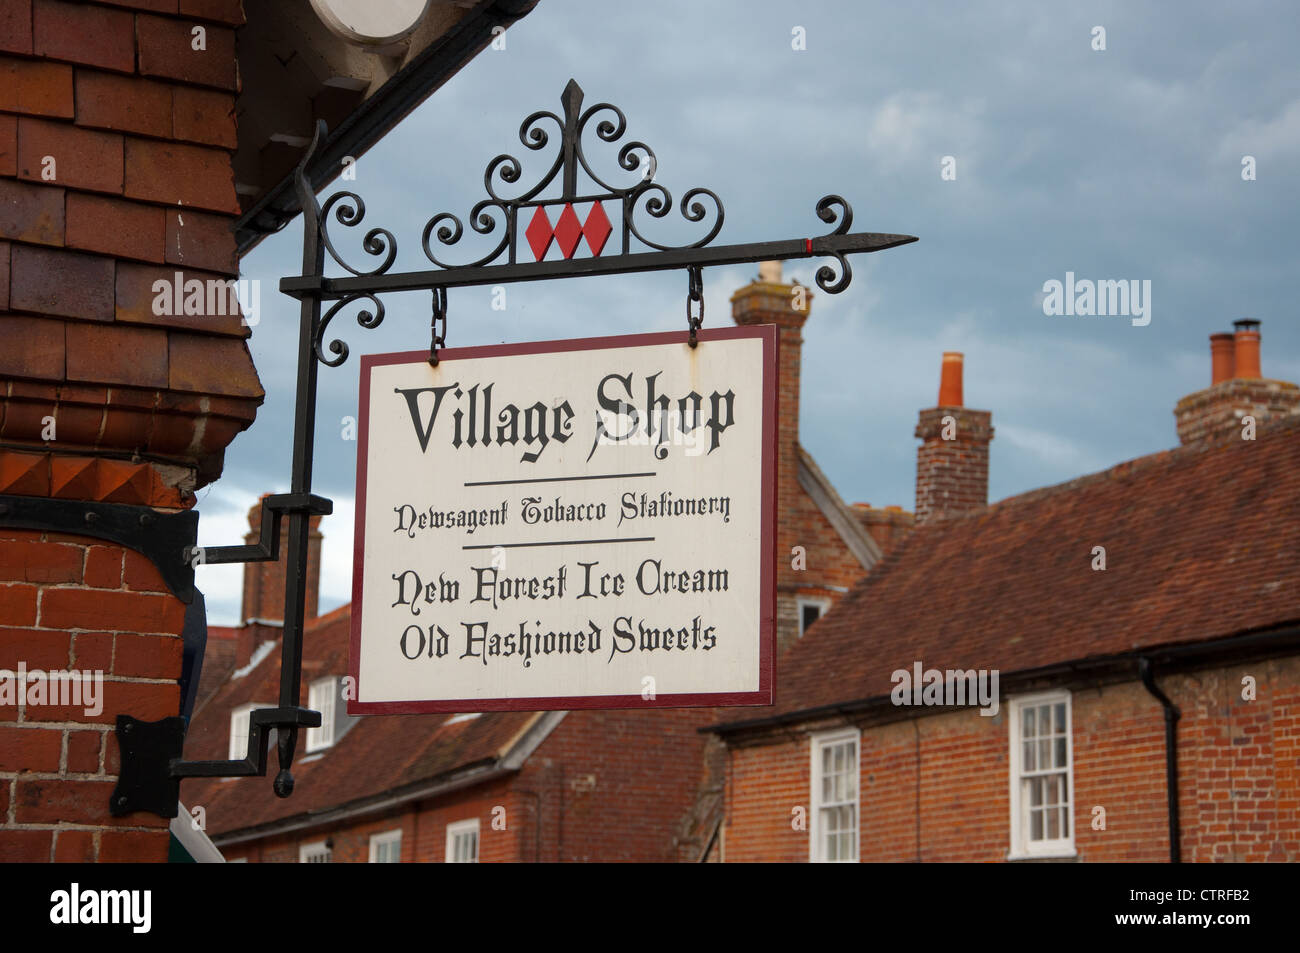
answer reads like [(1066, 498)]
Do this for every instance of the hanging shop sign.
[(571, 524)]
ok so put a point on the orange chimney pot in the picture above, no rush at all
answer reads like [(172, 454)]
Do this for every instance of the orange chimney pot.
[(1223, 358), (950, 384), (1246, 347)]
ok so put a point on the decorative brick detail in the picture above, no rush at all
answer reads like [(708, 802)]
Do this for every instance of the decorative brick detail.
[(89, 478), (26, 474)]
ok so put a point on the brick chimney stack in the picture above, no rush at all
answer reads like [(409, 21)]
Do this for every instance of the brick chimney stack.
[(770, 300), (1237, 389), (262, 613), (264, 582), (952, 463)]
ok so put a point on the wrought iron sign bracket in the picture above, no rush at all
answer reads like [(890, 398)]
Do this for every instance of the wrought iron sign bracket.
[(267, 547), (152, 767), (151, 763)]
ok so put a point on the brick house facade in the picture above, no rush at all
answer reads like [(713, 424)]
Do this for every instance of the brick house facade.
[(1144, 622)]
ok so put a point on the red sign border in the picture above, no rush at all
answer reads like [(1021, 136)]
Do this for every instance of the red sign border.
[(767, 545)]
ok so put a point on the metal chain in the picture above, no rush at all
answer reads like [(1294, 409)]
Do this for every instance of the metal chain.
[(437, 340), (695, 294)]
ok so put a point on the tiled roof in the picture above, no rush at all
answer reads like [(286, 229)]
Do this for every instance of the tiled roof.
[(375, 756), (1201, 542), (218, 662)]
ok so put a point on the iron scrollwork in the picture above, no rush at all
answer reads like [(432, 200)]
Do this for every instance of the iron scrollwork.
[(519, 216), (634, 156), (366, 318), (826, 279)]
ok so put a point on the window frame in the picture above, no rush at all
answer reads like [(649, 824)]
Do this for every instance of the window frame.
[(816, 743), (454, 830), (238, 747), (390, 839), (316, 846), (319, 739), (1021, 848), (821, 603)]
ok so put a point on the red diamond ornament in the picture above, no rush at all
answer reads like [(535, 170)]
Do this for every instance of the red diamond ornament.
[(540, 234), (597, 229), (568, 231)]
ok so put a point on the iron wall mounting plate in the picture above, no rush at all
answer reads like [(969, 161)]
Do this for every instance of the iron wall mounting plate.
[(146, 783), (159, 536)]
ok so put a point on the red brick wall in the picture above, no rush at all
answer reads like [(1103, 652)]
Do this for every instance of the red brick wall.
[(623, 781), (75, 603), (115, 172), (1238, 791)]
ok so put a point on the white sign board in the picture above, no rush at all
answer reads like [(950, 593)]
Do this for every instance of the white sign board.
[(573, 524)]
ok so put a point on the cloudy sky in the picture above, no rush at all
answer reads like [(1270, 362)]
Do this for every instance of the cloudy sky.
[(1122, 163)]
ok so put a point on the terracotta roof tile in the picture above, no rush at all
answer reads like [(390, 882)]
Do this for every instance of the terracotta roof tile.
[(1201, 542)]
